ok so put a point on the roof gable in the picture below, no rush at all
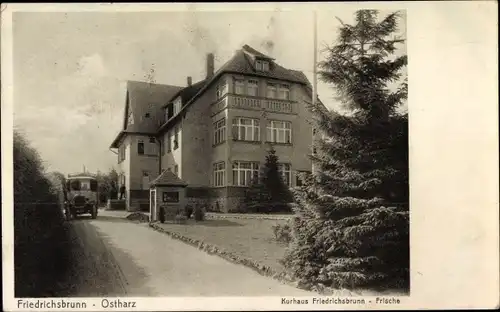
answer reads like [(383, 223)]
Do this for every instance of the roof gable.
[(144, 102), (168, 178)]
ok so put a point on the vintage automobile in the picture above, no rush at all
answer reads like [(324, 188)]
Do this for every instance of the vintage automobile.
[(81, 195)]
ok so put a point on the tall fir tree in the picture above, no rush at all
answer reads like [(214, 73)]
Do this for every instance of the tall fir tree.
[(344, 236), (268, 192)]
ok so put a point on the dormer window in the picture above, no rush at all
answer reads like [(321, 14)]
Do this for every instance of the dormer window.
[(262, 65), (177, 105)]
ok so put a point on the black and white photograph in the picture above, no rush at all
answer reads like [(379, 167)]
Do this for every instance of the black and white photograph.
[(210, 153)]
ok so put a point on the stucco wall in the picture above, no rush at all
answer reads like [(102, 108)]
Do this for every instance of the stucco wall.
[(174, 157), (198, 152), (140, 163)]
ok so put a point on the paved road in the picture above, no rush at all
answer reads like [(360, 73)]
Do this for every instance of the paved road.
[(121, 258)]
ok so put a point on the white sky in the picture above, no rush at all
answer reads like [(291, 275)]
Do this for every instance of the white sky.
[(70, 68)]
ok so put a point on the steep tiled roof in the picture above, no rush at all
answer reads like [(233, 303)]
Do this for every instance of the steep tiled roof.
[(242, 64), (148, 98), (188, 92), (145, 101), (251, 50), (168, 178)]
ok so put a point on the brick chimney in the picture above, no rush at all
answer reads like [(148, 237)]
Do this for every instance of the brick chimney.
[(210, 65), (189, 81)]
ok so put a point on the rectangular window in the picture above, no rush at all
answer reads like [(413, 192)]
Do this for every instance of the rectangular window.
[(176, 137), (279, 131), (272, 91), (244, 173), (239, 86), (176, 170), (152, 146), (253, 88), (284, 92), (170, 197), (262, 65), (219, 173), (286, 173), (221, 90), (177, 105), (246, 129), (220, 131), (140, 147)]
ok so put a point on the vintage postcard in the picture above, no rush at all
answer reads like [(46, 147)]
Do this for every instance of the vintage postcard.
[(249, 156)]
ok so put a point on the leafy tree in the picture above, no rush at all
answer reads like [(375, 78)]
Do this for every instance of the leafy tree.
[(343, 233), (107, 184), (268, 192)]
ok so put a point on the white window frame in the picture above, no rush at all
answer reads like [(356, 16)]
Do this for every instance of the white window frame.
[(253, 85), (219, 174), (262, 65), (220, 131), (251, 131), (276, 134), (271, 90), (221, 89), (244, 172), (239, 86), (177, 105), (284, 92), (285, 170)]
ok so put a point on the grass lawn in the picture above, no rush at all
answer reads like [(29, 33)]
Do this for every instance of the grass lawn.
[(249, 238)]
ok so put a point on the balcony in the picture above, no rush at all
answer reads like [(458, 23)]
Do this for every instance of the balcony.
[(254, 103)]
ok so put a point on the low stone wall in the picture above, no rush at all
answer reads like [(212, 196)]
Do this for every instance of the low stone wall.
[(218, 199)]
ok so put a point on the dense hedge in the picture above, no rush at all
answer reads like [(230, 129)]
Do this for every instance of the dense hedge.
[(41, 250)]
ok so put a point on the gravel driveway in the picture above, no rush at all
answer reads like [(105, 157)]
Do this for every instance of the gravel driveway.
[(119, 258)]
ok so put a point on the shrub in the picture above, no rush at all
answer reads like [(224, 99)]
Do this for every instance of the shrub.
[(41, 239), (199, 213), (282, 233), (188, 211)]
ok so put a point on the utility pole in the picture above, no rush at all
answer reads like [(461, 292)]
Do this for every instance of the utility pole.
[(315, 60)]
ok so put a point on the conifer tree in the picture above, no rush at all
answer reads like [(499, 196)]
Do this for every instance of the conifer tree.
[(344, 235), (268, 192)]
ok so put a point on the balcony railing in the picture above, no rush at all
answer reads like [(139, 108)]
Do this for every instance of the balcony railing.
[(253, 103), (219, 105), (282, 106)]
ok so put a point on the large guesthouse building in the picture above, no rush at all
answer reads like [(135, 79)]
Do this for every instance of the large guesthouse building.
[(214, 134)]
